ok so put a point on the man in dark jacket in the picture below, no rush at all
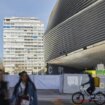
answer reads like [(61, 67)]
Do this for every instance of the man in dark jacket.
[(3, 90), (91, 89)]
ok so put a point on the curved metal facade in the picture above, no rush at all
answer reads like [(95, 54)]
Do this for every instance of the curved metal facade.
[(70, 31), (65, 9)]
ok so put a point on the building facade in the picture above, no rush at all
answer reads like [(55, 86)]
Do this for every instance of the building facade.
[(23, 44), (75, 36)]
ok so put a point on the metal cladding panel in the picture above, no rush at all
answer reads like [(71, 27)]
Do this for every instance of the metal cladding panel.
[(82, 30), (65, 9)]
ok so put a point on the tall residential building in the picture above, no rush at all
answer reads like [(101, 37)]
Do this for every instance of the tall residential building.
[(23, 44)]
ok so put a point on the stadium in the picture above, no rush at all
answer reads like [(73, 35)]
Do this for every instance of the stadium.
[(75, 35)]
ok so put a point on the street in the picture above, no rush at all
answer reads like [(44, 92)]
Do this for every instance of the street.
[(50, 103), (51, 97)]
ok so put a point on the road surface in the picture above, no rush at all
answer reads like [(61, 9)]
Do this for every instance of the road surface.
[(52, 97)]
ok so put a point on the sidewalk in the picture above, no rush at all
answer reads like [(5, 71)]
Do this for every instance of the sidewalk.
[(48, 97), (52, 95)]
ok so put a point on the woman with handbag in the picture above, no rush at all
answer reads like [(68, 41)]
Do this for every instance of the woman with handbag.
[(4, 97), (24, 91)]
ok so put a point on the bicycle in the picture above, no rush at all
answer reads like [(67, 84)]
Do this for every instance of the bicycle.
[(79, 97)]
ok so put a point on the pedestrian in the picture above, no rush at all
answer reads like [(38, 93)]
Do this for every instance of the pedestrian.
[(4, 96), (25, 91)]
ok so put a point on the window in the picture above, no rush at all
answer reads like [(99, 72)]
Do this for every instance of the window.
[(7, 19), (35, 67), (39, 67)]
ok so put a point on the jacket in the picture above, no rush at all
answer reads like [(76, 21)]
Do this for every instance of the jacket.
[(31, 92)]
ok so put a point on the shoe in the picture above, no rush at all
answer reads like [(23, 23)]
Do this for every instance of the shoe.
[(92, 97)]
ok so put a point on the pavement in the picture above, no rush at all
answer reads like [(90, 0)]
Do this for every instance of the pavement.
[(50, 103), (52, 97)]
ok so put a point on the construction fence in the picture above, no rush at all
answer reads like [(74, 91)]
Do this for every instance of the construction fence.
[(66, 83)]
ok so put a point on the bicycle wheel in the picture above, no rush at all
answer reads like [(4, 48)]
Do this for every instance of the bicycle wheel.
[(99, 98), (77, 98)]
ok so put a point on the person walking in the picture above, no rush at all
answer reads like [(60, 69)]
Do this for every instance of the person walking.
[(25, 91), (4, 96)]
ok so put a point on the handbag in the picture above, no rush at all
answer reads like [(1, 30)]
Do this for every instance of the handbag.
[(23, 100)]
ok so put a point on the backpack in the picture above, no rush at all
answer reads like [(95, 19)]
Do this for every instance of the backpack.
[(97, 81)]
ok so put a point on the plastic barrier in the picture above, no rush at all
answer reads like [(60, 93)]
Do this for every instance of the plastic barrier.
[(40, 81), (72, 83), (67, 83)]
